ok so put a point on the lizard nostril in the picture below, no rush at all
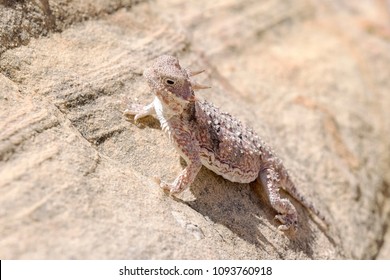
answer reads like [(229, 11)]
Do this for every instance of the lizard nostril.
[(170, 82)]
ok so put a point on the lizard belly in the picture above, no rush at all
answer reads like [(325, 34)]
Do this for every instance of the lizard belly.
[(227, 171)]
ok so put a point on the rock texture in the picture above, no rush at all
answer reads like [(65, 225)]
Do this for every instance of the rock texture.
[(76, 178)]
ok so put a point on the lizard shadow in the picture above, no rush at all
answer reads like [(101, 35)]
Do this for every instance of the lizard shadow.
[(244, 209), (147, 122)]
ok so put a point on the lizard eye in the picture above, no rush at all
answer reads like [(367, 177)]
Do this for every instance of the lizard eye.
[(170, 82)]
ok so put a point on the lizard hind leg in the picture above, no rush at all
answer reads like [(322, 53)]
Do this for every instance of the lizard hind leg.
[(270, 179), (289, 186)]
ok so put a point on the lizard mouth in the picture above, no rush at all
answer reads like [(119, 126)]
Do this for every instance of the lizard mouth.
[(184, 99)]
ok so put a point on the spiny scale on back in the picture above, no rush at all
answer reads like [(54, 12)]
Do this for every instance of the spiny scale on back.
[(204, 135)]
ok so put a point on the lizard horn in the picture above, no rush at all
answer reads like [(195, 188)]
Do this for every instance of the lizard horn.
[(194, 73), (196, 86), (191, 73)]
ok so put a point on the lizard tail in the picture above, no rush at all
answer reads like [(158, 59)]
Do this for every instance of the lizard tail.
[(289, 186)]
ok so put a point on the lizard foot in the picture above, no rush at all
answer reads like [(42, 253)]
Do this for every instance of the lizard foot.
[(288, 221), (134, 110), (171, 188)]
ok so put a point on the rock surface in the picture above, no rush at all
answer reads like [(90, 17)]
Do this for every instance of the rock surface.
[(76, 177)]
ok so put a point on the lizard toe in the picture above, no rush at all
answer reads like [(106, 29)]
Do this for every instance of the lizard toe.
[(289, 221)]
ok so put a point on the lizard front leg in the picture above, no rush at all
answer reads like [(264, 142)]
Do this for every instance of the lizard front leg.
[(139, 111), (270, 177), (188, 147), (185, 178)]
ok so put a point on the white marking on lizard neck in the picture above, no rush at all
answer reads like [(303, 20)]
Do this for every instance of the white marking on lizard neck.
[(164, 113)]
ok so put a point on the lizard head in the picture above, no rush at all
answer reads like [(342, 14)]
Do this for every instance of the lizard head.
[(171, 83)]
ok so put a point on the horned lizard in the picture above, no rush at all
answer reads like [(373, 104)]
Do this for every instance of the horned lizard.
[(203, 135)]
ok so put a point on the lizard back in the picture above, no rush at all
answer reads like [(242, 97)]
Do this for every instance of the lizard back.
[(227, 147)]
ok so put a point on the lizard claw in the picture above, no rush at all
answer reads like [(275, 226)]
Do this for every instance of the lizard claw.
[(288, 221), (132, 109), (163, 185)]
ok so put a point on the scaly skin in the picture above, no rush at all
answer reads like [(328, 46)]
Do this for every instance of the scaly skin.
[(203, 135)]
